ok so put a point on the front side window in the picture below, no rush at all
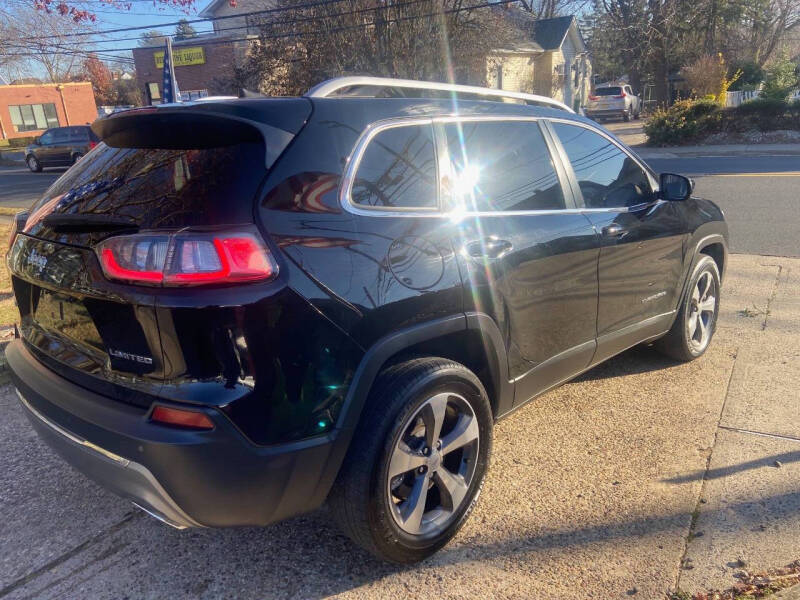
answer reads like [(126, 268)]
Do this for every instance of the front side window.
[(398, 170), (61, 135), (501, 166), (30, 117), (607, 176)]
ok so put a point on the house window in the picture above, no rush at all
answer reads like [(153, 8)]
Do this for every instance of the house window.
[(32, 117), (152, 89)]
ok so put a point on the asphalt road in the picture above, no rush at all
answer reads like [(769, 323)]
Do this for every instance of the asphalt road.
[(20, 188), (759, 195)]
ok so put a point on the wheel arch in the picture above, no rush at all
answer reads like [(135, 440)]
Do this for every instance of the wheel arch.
[(717, 251), (472, 339), (476, 329), (714, 245)]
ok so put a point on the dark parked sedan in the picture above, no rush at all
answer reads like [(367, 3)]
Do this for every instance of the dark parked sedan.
[(59, 147)]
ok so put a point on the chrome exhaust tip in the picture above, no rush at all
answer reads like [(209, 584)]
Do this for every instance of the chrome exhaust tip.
[(159, 516)]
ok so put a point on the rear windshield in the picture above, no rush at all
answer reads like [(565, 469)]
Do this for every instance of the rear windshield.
[(608, 91), (157, 188)]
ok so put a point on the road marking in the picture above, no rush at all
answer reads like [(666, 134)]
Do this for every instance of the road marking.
[(779, 174)]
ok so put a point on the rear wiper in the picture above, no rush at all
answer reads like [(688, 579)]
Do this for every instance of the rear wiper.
[(87, 222)]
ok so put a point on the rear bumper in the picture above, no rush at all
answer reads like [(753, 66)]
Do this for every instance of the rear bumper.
[(126, 478), (186, 478), (610, 112)]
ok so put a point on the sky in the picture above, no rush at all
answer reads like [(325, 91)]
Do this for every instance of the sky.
[(145, 12), (142, 13)]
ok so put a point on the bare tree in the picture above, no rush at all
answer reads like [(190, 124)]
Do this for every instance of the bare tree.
[(547, 9), (419, 39), (654, 39), (760, 25), (37, 42)]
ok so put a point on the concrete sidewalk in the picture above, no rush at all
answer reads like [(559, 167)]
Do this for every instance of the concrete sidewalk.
[(608, 487), (748, 511)]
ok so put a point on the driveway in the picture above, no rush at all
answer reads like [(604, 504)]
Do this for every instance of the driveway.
[(593, 491), (631, 133)]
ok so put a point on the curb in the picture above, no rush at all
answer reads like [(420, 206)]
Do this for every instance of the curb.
[(718, 150)]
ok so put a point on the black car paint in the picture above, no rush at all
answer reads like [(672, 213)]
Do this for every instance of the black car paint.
[(284, 367)]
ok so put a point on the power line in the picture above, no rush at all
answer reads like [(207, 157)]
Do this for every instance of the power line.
[(240, 27), (328, 31), (190, 22), (74, 52)]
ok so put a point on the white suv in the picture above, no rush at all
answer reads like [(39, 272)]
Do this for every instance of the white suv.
[(609, 101)]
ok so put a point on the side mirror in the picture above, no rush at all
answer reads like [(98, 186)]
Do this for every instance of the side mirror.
[(675, 187)]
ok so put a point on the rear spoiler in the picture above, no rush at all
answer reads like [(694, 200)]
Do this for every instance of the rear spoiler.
[(208, 125)]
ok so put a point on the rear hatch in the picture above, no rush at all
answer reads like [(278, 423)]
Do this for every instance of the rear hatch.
[(157, 171), (607, 98)]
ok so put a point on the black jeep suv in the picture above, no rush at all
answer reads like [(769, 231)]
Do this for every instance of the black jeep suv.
[(234, 311)]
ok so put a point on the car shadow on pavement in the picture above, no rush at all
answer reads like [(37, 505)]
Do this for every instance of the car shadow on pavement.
[(637, 360), (307, 558), (768, 461), (121, 552)]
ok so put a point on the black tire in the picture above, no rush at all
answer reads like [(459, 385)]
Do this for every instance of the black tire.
[(76, 157), (679, 343), (626, 116), (33, 164), (361, 500)]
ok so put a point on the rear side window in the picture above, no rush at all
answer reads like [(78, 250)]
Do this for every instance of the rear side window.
[(398, 170), (78, 133), (607, 176), (502, 166)]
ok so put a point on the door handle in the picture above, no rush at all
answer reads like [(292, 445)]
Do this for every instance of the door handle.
[(614, 230), (488, 247)]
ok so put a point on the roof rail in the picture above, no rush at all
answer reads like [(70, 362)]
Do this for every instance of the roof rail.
[(331, 86)]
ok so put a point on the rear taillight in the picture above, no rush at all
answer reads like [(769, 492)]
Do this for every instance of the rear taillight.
[(594, 97), (187, 258), (622, 95), (12, 234), (92, 144), (17, 223)]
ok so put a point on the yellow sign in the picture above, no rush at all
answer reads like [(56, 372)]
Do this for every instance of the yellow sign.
[(182, 57)]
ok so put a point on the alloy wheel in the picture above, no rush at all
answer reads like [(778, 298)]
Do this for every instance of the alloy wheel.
[(702, 307), (432, 464)]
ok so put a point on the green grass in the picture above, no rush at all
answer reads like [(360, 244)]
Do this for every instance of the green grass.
[(11, 210), (8, 310)]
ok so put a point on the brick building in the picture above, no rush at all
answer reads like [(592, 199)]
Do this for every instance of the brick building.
[(203, 66), (28, 109)]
